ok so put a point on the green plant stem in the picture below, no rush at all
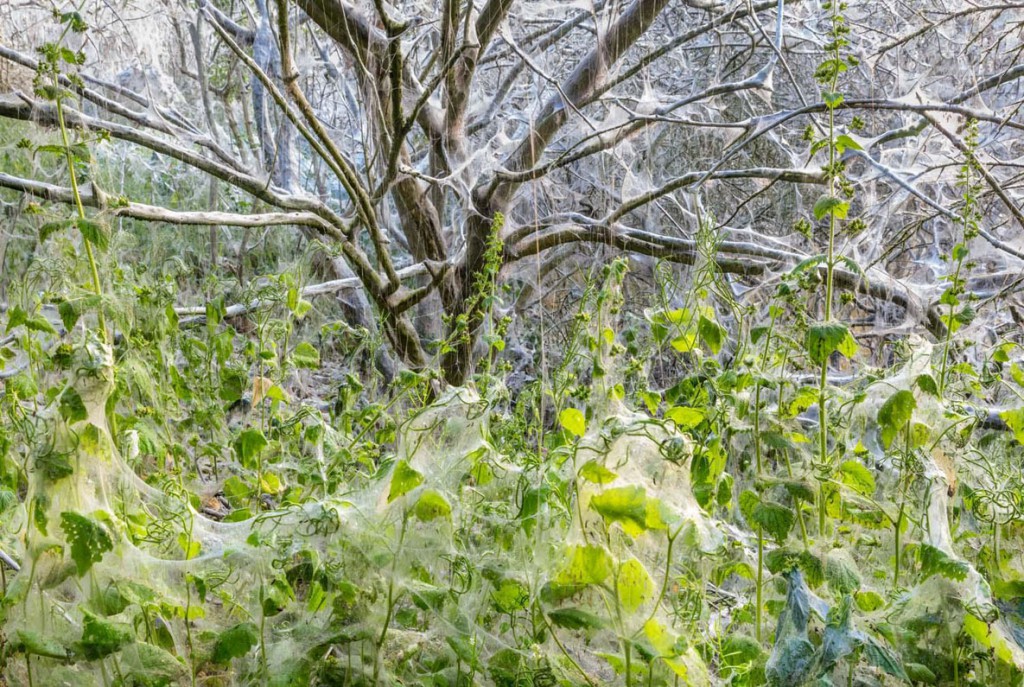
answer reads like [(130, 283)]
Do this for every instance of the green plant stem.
[(80, 209), (896, 565), (949, 332), (823, 456), (391, 602), (760, 582)]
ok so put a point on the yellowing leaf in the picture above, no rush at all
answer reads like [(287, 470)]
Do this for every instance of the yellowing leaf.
[(635, 586), (573, 421), (260, 387), (403, 480)]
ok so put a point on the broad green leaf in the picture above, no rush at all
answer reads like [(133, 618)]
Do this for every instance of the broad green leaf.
[(592, 471), (881, 656), (868, 601), (920, 674), (88, 538), (844, 142), (305, 355), (146, 665), (235, 642), (832, 98), (51, 228), (822, 340), (249, 444), (635, 586), (33, 643), (791, 663), (927, 384), (857, 477), (1014, 419), (739, 651), (573, 421), (403, 480), (585, 565), (990, 637), (894, 414), (100, 637), (625, 505), (830, 205), (775, 519), (685, 342), (935, 561), (685, 418), (95, 233), (432, 505), (748, 502), (711, 333), (841, 572), (510, 596)]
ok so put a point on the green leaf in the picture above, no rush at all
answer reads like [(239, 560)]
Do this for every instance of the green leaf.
[(432, 505), (1014, 419), (857, 477), (791, 663), (592, 471), (711, 333), (69, 314), (276, 596), (51, 228), (935, 561), (832, 99), (919, 673), (100, 637), (88, 538), (748, 502), (249, 444), (868, 601), (894, 414), (830, 205), (586, 565), (38, 323), (775, 519), (95, 233), (822, 340), (30, 642), (881, 656), (634, 584), (575, 619), (739, 650), (146, 665), (235, 642), (54, 466), (684, 417), (625, 505), (510, 596), (685, 342), (573, 421), (927, 384), (844, 142), (841, 573), (403, 480), (189, 547), (305, 355)]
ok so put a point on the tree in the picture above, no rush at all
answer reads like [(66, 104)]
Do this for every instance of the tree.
[(397, 133)]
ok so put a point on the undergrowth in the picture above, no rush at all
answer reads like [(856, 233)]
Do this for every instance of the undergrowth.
[(178, 509)]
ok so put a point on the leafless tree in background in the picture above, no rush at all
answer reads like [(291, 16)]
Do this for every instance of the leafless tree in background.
[(397, 132)]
